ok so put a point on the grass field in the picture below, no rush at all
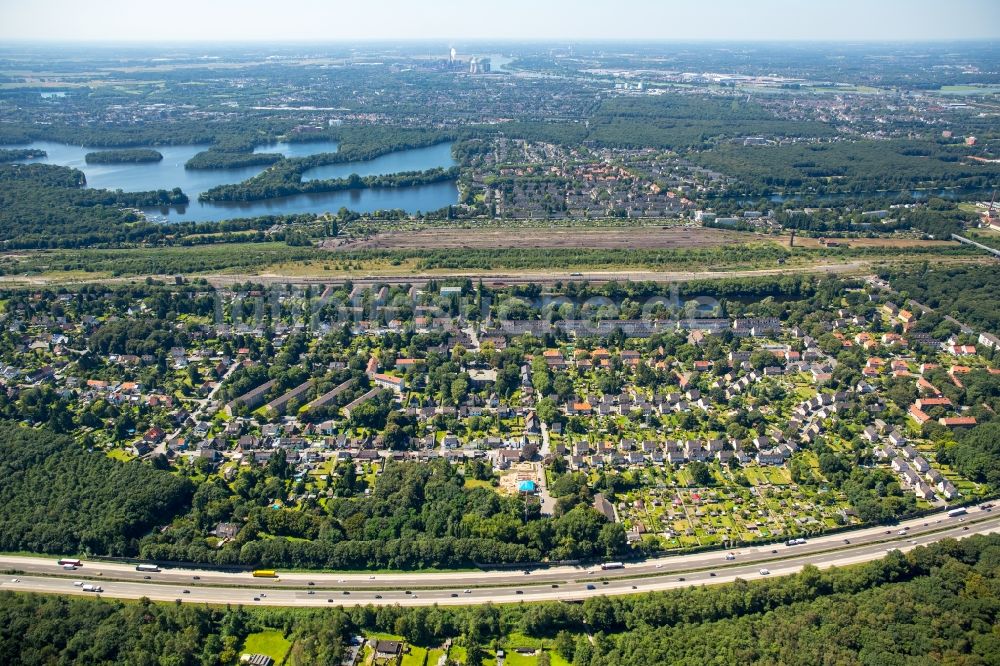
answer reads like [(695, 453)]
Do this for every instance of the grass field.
[(120, 454), (417, 656), (272, 643), (653, 253)]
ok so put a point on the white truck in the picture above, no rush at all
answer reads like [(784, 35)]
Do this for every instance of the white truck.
[(92, 588)]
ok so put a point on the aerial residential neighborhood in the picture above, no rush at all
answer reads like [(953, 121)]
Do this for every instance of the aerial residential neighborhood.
[(564, 333), (703, 431)]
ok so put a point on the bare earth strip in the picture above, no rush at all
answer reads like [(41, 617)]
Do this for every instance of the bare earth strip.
[(650, 238)]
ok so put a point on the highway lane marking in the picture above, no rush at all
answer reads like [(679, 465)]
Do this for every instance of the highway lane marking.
[(789, 555), (281, 597)]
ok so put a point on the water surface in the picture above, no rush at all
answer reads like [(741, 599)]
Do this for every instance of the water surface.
[(170, 173)]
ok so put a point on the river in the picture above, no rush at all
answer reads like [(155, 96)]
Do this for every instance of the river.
[(170, 173)]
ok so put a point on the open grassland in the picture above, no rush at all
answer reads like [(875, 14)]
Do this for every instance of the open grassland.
[(272, 643), (624, 254)]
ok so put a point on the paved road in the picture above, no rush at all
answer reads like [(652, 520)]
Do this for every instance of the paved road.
[(556, 583)]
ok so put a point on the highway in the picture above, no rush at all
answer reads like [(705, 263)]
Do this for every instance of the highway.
[(565, 583)]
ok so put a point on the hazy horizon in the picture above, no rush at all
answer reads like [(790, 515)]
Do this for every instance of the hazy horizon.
[(314, 21)]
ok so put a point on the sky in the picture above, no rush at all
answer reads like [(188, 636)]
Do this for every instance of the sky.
[(350, 20)]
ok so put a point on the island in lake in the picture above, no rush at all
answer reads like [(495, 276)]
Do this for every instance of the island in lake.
[(124, 156), (231, 159), (19, 154)]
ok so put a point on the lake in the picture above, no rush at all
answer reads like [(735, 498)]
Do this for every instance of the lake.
[(170, 173), (417, 159)]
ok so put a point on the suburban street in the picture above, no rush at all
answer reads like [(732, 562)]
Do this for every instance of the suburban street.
[(564, 583)]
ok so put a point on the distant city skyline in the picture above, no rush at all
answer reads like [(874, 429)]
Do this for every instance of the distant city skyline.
[(317, 20)]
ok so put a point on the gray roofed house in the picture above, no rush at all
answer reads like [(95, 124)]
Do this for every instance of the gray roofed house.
[(602, 504), (252, 398)]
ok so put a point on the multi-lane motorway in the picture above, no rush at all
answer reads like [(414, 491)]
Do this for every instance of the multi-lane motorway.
[(474, 587)]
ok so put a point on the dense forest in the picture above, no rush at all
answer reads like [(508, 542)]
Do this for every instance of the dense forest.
[(45, 206), (58, 498), (847, 166), (20, 154), (969, 293), (673, 122), (116, 136), (124, 156), (977, 454), (279, 182), (417, 515), (939, 218), (231, 159), (936, 604), (163, 260)]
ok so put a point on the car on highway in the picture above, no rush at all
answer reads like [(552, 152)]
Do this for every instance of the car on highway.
[(78, 583), (311, 592), (555, 585), (902, 532), (187, 591), (765, 572), (518, 591), (371, 577), (591, 587), (195, 577), (711, 574), (681, 579), (15, 580), (310, 583), (454, 594), (345, 592), (634, 587), (407, 592), (847, 541), (730, 556), (256, 598), (467, 592), (774, 552), (147, 577), (378, 596)]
